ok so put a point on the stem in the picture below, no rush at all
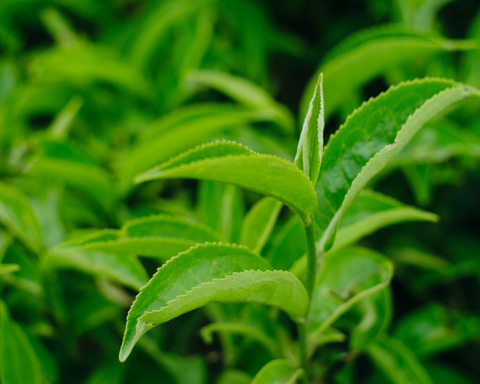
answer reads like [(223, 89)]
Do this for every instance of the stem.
[(311, 257), (309, 284)]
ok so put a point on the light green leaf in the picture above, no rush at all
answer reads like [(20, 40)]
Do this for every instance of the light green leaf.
[(206, 273), (120, 266), (264, 174), (370, 52), (179, 131), (246, 93), (232, 376), (310, 145), (18, 362), (8, 268), (17, 214), (370, 138), (63, 120), (397, 362), (58, 27), (160, 236), (433, 329), (437, 143), (347, 276), (259, 222), (246, 330), (277, 372), (371, 211), (84, 64)]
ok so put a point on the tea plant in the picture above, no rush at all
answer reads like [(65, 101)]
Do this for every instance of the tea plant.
[(310, 282), (318, 187)]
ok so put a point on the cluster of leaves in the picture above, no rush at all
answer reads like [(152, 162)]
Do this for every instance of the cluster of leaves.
[(95, 94)]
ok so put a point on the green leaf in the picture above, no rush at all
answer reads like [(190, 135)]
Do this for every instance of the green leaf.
[(371, 211), (370, 138), (122, 267), (246, 93), (8, 268), (277, 372), (107, 373), (346, 277), (433, 329), (63, 120), (259, 222), (246, 330), (232, 376), (288, 245), (160, 236), (397, 362), (264, 174), (17, 214), (18, 362), (179, 131), (437, 143), (369, 53), (310, 145), (206, 273)]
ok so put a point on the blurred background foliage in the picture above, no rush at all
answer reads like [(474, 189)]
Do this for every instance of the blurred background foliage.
[(94, 92)]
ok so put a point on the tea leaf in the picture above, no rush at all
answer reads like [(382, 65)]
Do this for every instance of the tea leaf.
[(160, 236), (247, 330), (264, 174), (246, 93), (310, 145), (371, 211), (19, 364), (179, 131), (17, 214), (346, 277), (370, 138), (368, 53), (212, 272), (259, 222), (277, 372), (433, 329), (122, 267), (288, 245), (397, 362)]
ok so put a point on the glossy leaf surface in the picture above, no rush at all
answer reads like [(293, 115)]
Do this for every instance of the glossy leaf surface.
[(207, 273), (310, 144), (370, 138), (264, 174)]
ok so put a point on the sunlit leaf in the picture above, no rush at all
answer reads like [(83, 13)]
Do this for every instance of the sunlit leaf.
[(277, 372)]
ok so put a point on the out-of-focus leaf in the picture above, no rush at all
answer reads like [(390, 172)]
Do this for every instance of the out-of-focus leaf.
[(17, 214), (397, 362), (64, 163), (259, 223), (442, 373), (346, 277), (433, 329), (371, 52), (19, 364), (232, 163), (58, 27), (8, 268), (371, 211), (48, 364), (179, 131), (310, 144), (122, 267), (63, 121), (370, 138), (246, 330), (277, 372), (288, 245), (211, 272), (232, 376), (111, 373), (246, 93)]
